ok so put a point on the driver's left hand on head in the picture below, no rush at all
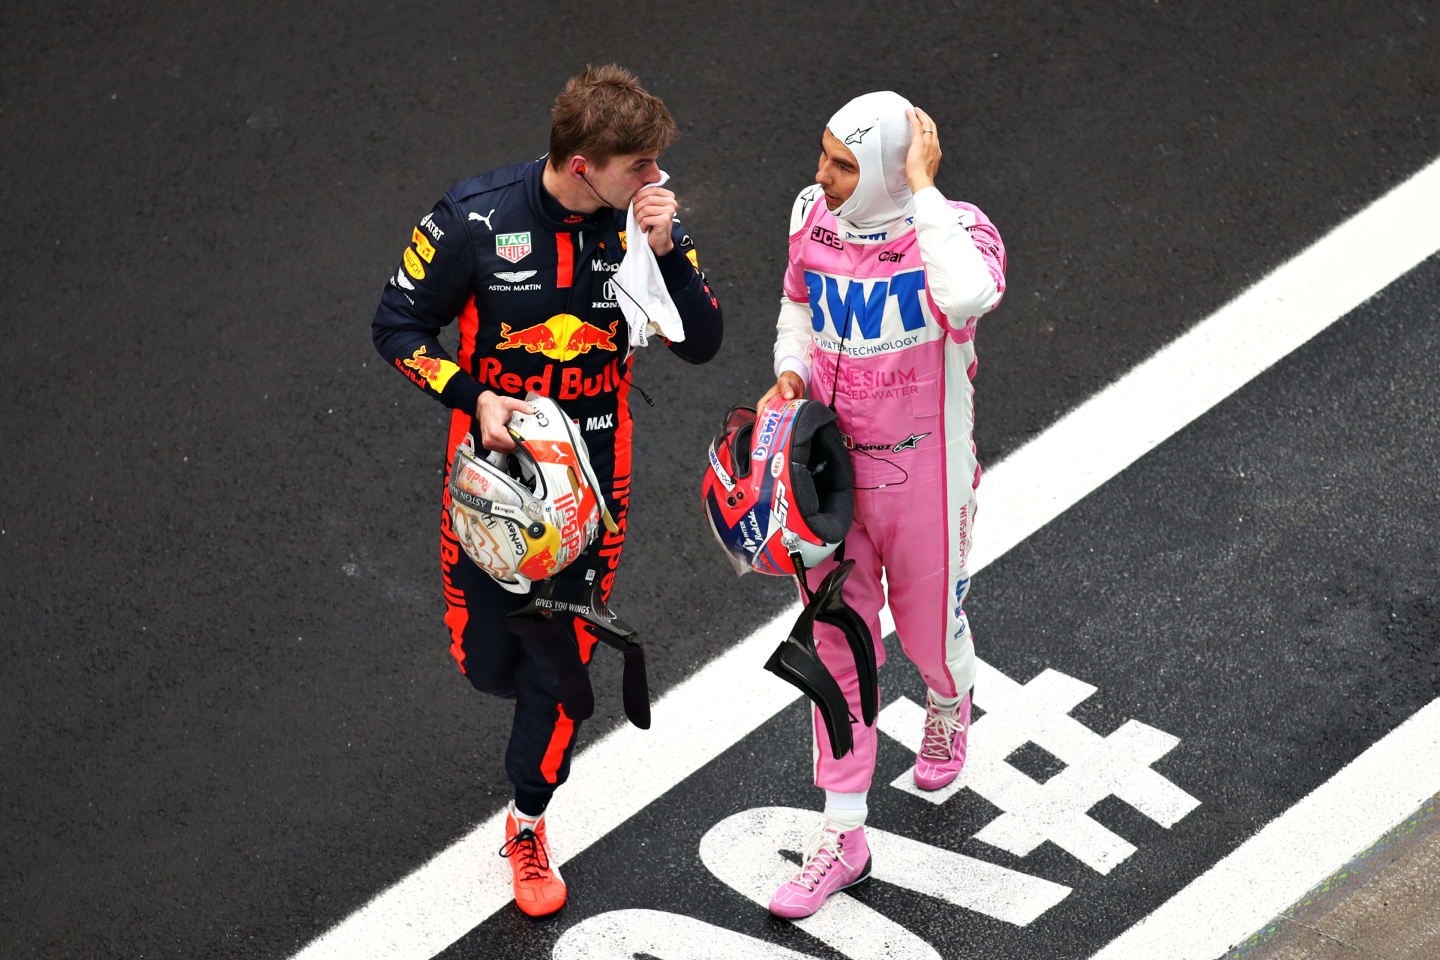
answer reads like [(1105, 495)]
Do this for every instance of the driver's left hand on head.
[(923, 157)]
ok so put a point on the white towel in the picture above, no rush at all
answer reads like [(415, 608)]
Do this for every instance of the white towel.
[(641, 291)]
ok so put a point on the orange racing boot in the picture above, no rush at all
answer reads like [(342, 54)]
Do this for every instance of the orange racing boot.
[(539, 888)]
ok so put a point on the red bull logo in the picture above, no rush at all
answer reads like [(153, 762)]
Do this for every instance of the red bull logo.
[(427, 367), (436, 371), (536, 339), (585, 336), (541, 557), (538, 566), (561, 337)]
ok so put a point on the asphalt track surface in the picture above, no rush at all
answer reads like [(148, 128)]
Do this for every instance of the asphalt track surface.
[(230, 718)]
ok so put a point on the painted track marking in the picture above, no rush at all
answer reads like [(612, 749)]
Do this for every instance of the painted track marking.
[(1304, 845), (461, 886)]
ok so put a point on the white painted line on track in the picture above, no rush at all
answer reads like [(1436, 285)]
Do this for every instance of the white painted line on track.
[(1295, 851), (619, 775), (1218, 356)]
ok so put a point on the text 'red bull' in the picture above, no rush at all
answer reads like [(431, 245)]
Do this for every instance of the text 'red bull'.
[(573, 382), (570, 530)]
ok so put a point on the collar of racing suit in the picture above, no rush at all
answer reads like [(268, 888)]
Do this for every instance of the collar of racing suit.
[(884, 233), (556, 216), (874, 127)]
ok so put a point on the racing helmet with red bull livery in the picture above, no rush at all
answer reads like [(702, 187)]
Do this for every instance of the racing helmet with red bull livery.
[(525, 515), (778, 484)]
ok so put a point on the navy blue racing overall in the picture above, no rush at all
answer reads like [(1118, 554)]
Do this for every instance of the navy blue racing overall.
[(531, 286)]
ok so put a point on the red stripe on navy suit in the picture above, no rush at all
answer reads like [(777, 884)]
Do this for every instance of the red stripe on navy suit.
[(565, 268)]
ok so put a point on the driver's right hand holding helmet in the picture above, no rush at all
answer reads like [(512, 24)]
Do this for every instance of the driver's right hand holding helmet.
[(525, 516)]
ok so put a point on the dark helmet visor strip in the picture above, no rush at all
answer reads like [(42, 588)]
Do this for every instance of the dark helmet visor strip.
[(797, 662), (554, 605)]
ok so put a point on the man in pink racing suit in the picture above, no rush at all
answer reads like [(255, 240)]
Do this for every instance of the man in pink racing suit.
[(885, 282)]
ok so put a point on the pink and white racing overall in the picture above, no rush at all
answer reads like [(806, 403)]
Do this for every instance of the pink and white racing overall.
[(900, 379)]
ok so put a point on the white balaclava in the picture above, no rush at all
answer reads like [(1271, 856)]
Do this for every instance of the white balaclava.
[(875, 128)]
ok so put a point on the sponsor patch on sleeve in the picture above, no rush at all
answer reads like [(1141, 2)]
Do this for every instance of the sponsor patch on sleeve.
[(436, 371), (423, 246)]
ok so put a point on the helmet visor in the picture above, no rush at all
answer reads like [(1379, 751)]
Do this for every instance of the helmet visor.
[(736, 432)]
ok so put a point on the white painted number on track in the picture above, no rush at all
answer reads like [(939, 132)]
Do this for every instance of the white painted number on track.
[(743, 851), (624, 934), (1096, 767)]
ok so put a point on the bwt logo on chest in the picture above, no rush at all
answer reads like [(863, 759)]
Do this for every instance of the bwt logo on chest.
[(869, 302)]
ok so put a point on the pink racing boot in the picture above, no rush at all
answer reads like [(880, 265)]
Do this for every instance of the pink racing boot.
[(834, 859), (942, 750)]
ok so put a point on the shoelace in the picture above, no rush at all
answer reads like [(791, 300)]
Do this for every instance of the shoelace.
[(822, 851), (534, 861), (940, 728)]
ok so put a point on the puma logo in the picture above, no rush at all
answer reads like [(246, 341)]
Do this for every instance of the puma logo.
[(485, 219)]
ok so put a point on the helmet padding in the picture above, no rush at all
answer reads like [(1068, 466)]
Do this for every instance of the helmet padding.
[(820, 473)]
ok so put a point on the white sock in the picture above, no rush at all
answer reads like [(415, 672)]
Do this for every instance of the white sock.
[(944, 703), (523, 820), (845, 810)]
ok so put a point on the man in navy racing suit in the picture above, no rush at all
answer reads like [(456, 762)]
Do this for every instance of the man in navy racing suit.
[(524, 258)]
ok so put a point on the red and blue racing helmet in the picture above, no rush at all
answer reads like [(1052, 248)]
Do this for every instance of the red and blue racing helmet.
[(778, 484)]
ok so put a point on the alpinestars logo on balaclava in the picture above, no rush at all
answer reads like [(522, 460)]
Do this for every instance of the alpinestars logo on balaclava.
[(876, 130)]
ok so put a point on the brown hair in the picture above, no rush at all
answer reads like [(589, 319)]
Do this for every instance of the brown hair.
[(604, 112)]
